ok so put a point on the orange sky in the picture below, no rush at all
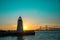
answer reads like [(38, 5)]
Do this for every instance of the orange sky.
[(34, 13), (26, 27)]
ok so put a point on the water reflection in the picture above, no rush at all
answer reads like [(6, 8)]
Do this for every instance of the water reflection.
[(19, 37)]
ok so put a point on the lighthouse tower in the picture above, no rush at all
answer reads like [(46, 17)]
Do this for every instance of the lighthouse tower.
[(20, 25)]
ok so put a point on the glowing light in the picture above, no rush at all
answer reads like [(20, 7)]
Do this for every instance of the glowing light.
[(25, 27)]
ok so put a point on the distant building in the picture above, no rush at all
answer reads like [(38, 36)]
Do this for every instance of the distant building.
[(46, 27), (20, 25)]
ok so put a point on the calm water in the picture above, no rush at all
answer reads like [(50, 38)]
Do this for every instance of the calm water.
[(39, 35)]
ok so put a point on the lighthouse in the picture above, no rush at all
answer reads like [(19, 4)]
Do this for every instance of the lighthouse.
[(20, 25)]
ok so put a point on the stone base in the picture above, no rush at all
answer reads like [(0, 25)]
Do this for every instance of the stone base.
[(17, 33)]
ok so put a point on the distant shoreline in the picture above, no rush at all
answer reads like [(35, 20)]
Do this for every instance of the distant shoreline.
[(47, 30)]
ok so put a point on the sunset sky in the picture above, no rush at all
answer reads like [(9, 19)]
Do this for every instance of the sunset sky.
[(33, 12)]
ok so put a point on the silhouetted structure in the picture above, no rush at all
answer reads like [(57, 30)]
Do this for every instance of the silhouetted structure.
[(20, 25), (46, 27), (18, 32)]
